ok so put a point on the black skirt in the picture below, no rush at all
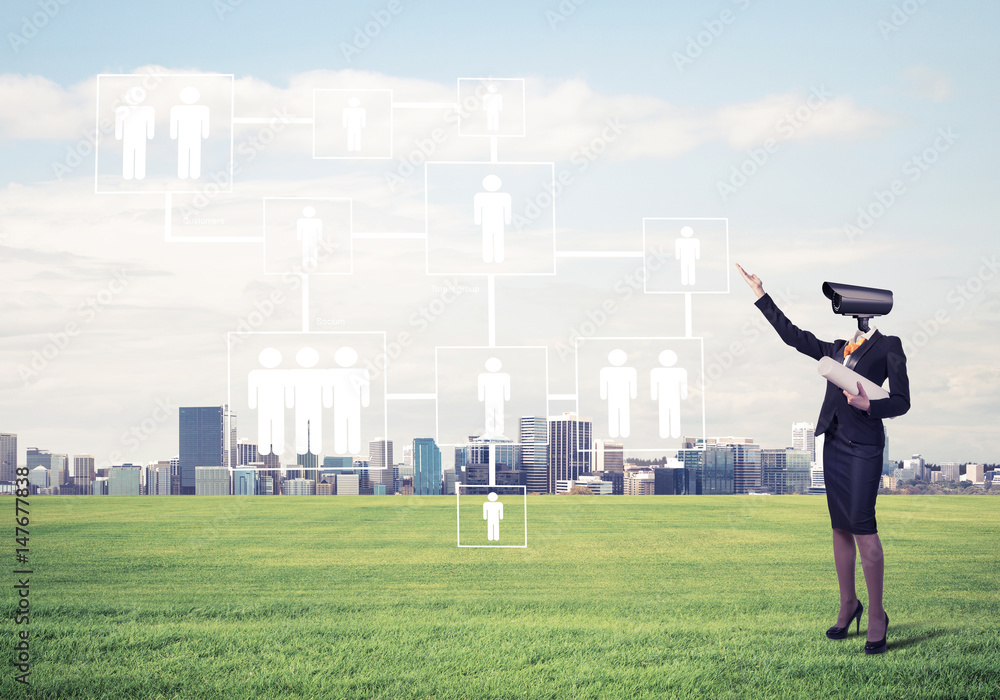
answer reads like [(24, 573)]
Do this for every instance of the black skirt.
[(852, 473)]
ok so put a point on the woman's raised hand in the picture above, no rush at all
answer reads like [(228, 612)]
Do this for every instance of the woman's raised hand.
[(753, 280)]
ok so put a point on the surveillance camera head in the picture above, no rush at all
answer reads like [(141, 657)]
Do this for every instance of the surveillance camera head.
[(860, 302)]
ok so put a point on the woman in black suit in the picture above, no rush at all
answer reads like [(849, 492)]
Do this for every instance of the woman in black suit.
[(852, 456)]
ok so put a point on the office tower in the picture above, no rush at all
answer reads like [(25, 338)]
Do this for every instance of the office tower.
[(125, 481), (570, 448), (669, 479), (38, 458), (340, 463), (39, 478), (817, 484), (534, 439), (408, 456), (246, 452), (609, 456), (887, 466), (8, 457), (785, 471), (202, 442), (158, 479), (59, 467), (101, 486), (426, 458), (347, 485), (708, 469), (475, 457), (950, 471), (245, 482), (916, 464), (381, 464), (310, 465), (804, 438), (746, 462), (83, 465), (975, 474), (640, 483), (211, 481), (450, 478), (231, 447), (327, 486)]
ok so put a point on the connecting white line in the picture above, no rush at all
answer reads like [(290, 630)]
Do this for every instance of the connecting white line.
[(272, 120), (600, 254), (373, 236), (491, 302), (425, 105)]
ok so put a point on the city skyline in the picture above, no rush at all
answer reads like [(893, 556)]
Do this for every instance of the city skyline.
[(868, 166)]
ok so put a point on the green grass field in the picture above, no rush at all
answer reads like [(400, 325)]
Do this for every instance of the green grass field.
[(615, 597)]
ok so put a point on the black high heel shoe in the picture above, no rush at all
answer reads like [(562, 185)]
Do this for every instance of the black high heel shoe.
[(878, 647), (841, 632)]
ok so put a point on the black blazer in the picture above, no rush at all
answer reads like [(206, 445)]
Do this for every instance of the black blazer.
[(876, 359)]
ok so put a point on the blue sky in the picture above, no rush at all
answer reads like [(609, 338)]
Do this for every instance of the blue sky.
[(892, 93)]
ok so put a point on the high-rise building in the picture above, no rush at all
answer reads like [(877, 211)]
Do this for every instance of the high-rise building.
[(887, 466), (245, 482), (975, 473), (230, 454), (125, 481), (746, 462), (84, 465), (609, 456), (475, 458), (8, 457), (916, 463), (211, 481), (708, 469), (202, 442), (669, 479), (804, 438), (158, 479), (817, 484), (534, 439), (39, 478), (640, 483), (426, 458), (785, 471), (381, 464), (951, 471), (570, 448), (347, 485)]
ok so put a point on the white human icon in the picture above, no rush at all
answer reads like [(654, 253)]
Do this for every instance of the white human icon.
[(266, 393), (668, 385), (309, 230), (492, 210), (189, 125), (492, 103), (134, 125), (493, 514), (308, 391), (351, 392), (618, 388), (354, 122), (494, 390), (687, 250)]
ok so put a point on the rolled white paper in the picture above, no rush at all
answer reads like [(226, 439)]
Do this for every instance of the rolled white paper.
[(847, 379)]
